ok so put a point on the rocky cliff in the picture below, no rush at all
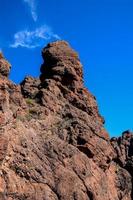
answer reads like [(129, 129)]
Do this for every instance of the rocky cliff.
[(53, 145)]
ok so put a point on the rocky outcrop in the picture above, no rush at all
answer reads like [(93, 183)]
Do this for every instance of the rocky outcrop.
[(4, 66), (62, 64), (53, 145), (123, 147)]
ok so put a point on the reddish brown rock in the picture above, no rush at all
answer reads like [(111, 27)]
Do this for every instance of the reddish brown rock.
[(53, 145), (62, 64), (4, 66), (30, 87)]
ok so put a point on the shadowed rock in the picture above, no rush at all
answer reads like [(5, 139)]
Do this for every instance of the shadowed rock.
[(62, 64), (4, 66), (53, 145)]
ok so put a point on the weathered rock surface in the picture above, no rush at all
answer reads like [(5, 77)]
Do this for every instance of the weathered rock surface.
[(53, 145), (4, 66)]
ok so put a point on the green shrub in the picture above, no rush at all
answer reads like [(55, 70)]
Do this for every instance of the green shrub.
[(30, 102)]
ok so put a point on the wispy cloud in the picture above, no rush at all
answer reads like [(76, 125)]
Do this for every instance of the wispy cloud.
[(32, 6), (33, 39)]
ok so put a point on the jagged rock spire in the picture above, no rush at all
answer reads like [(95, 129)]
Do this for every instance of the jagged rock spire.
[(52, 141), (4, 66), (62, 64)]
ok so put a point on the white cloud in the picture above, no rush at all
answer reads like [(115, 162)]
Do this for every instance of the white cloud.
[(32, 5), (33, 39)]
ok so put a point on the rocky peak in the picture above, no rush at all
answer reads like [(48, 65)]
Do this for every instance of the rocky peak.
[(124, 149), (4, 66), (53, 145), (62, 64)]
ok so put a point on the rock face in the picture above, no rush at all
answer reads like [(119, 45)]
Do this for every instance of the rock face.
[(53, 145), (4, 66)]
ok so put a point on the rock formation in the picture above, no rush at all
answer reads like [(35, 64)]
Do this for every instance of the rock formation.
[(4, 66), (53, 145)]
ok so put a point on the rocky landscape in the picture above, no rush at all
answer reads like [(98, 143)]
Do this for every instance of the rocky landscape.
[(53, 144)]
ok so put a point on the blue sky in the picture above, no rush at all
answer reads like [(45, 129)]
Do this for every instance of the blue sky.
[(100, 30)]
